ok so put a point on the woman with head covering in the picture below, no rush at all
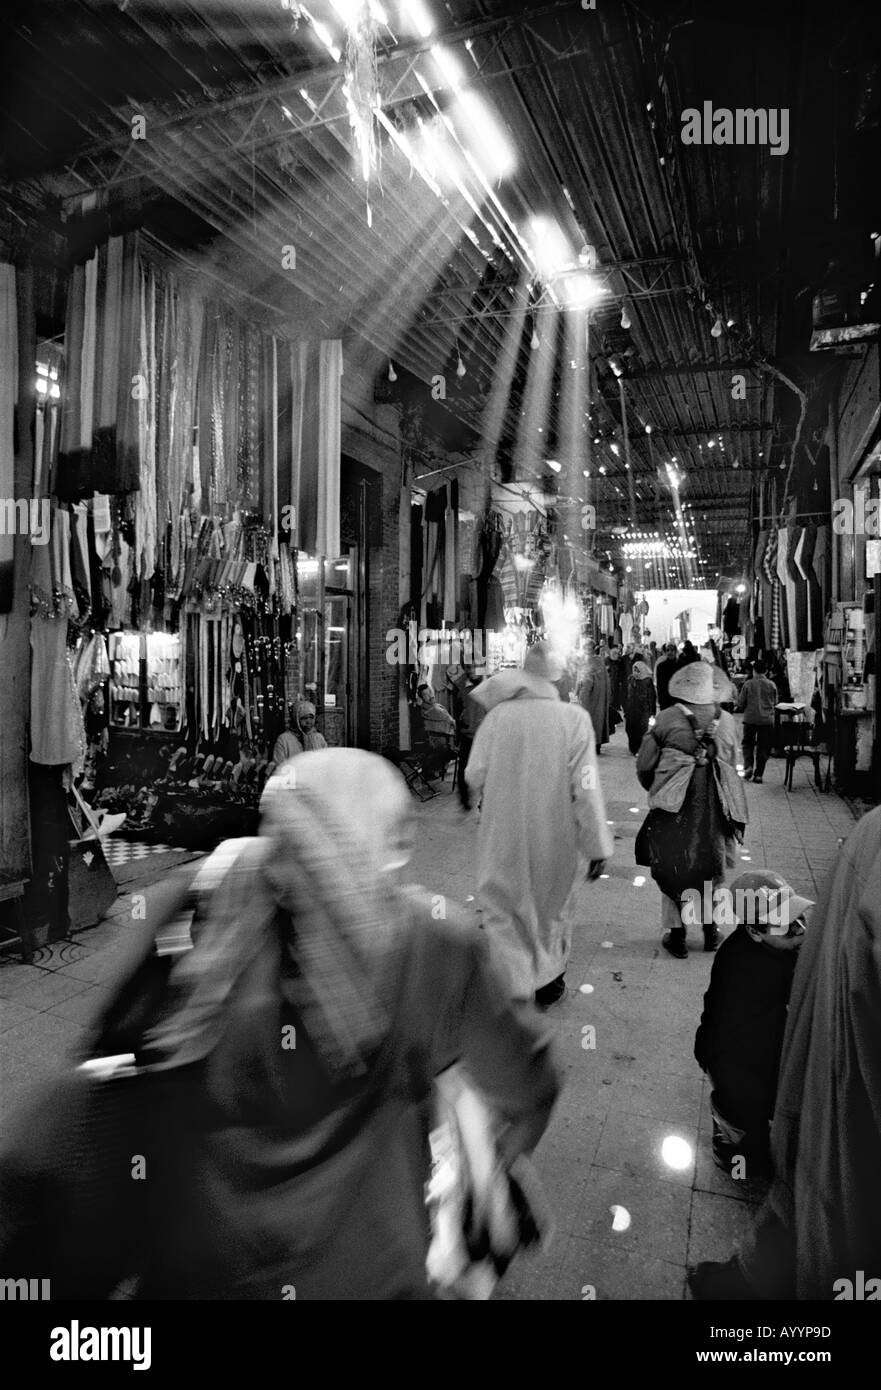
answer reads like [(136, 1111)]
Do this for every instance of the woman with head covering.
[(688, 764), (318, 1003), (593, 694), (640, 703), (307, 739)]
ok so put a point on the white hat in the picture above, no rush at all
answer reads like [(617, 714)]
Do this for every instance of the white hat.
[(693, 684)]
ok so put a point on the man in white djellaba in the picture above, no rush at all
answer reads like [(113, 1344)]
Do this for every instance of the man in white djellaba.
[(542, 820)]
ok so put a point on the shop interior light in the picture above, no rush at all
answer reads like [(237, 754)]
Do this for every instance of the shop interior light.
[(392, 374), (552, 463), (535, 341), (460, 366), (716, 330), (625, 317)]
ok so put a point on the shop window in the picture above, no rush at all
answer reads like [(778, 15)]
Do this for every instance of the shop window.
[(145, 681)]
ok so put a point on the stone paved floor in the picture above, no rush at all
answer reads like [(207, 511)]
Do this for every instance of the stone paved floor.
[(636, 1087), (640, 1084)]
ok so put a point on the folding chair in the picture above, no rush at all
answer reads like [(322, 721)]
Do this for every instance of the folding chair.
[(410, 767)]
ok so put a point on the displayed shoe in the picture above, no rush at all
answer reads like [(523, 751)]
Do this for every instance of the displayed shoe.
[(551, 993), (712, 938), (674, 942), (716, 1280)]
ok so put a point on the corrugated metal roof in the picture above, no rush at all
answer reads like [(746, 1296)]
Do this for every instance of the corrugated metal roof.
[(591, 101)]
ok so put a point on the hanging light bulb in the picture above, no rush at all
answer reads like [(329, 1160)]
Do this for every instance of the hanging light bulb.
[(716, 330), (460, 368), (625, 317), (536, 340), (392, 374)]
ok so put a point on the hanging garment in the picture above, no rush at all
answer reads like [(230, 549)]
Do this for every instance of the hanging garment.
[(57, 733), (330, 406), (127, 465), (803, 557), (799, 592), (787, 593), (626, 627), (820, 566), (451, 554), (769, 564), (8, 400), (107, 366)]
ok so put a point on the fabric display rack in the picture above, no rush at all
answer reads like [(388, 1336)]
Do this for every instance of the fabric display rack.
[(184, 455)]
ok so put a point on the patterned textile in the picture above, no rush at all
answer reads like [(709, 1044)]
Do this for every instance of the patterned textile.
[(770, 567)]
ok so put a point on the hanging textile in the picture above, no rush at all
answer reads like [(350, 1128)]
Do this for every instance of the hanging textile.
[(330, 428), (769, 564), (99, 439), (8, 401), (451, 554), (107, 363)]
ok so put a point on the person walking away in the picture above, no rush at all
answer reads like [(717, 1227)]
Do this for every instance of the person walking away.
[(757, 701), (664, 671), (316, 1005), (616, 688), (688, 655), (593, 694), (640, 704), (740, 1037), (542, 817), (820, 1224), (469, 722), (688, 763)]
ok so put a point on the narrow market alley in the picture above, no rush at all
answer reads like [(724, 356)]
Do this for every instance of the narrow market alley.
[(626, 1224)]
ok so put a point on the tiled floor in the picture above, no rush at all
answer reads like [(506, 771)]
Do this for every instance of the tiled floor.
[(638, 1085)]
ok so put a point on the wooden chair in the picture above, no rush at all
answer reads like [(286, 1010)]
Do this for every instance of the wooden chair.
[(799, 745), (13, 893)]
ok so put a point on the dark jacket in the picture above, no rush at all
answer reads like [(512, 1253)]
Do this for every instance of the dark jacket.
[(664, 672), (757, 700), (740, 1037)]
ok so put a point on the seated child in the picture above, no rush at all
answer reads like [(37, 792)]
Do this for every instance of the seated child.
[(740, 1038)]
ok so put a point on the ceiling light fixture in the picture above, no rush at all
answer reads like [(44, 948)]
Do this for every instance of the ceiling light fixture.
[(625, 317), (716, 330)]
